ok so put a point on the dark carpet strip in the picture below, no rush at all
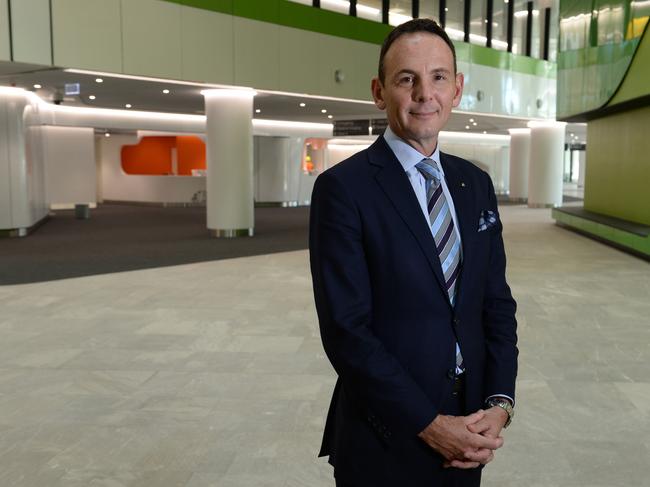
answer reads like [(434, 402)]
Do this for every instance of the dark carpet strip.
[(120, 238)]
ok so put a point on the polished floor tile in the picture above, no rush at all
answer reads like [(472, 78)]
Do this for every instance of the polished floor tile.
[(213, 374)]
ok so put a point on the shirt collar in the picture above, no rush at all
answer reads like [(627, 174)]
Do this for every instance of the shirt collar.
[(407, 156)]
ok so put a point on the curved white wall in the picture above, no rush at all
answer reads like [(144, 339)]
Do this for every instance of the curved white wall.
[(22, 172)]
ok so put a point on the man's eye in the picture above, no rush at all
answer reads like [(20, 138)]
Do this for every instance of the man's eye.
[(440, 77), (406, 80)]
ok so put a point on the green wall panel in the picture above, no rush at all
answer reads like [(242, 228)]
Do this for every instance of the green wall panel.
[(615, 236), (637, 81), (598, 41), (617, 181)]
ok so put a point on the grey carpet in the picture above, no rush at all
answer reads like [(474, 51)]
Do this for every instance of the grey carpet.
[(122, 238)]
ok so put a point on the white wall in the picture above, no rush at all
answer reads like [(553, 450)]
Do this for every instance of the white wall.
[(70, 173), (30, 28), (116, 185), (92, 44), (5, 53)]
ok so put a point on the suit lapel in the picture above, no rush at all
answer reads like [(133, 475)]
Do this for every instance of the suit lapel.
[(395, 184), (463, 196)]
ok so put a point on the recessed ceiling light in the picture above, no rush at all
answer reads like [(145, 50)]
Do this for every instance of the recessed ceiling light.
[(303, 105), (107, 134), (467, 127), (166, 91), (485, 131), (99, 80), (92, 97), (38, 87), (474, 123), (471, 120), (128, 105), (258, 111), (323, 111), (446, 9), (330, 116)]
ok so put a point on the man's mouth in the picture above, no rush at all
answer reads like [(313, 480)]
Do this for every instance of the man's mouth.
[(424, 114)]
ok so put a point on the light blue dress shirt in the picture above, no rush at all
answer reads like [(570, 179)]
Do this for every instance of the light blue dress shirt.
[(408, 157)]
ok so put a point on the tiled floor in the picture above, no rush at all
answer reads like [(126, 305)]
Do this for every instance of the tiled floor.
[(213, 374)]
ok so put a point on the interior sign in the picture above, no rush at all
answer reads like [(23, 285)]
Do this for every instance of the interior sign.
[(72, 89)]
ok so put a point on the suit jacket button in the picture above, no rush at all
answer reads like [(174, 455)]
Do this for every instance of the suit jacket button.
[(451, 374)]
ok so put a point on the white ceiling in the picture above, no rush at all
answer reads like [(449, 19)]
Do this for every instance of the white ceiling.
[(185, 97)]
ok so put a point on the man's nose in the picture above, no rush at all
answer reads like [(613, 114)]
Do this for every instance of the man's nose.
[(423, 91)]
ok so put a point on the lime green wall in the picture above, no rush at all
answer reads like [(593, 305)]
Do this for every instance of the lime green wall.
[(617, 181)]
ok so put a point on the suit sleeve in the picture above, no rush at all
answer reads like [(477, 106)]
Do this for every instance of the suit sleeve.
[(499, 321), (371, 376)]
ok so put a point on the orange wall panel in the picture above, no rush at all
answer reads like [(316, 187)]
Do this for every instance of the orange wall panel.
[(153, 155), (191, 154)]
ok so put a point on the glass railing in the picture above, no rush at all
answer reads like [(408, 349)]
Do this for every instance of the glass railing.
[(524, 27)]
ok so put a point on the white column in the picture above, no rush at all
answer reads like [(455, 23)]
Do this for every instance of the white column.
[(546, 164), (519, 164), (229, 182), (277, 169), (581, 168)]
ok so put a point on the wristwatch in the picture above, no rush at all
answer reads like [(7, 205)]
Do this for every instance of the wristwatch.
[(504, 404)]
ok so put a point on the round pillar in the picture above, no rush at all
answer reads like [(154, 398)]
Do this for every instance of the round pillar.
[(546, 164), (277, 169), (519, 164), (229, 162)]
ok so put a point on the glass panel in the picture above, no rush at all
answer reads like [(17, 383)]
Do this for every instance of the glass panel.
[(538, 29), (640, 13), (610, 18), (342, 7), (477, 21), (368, 9), (400, 11), (500, 25), (455, 10), (574, 31), (519, 28), (430, 9)]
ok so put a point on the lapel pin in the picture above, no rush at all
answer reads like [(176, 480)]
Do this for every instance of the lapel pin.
[(462, 185)]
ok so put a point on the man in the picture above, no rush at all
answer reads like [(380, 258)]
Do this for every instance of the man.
[(408, 269)]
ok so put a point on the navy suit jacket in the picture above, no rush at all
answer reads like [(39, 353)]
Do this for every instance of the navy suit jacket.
[(385, 319)]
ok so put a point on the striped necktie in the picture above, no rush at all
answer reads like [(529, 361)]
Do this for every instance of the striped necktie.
[(444, 234)]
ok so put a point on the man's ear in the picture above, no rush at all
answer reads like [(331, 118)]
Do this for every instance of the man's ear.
[(377, 93), (458, 94)]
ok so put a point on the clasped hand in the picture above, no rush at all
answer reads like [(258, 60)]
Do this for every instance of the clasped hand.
[(466, 441)]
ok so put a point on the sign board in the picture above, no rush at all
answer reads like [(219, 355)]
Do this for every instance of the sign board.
[(351, 127), (72, 89), (378, 125)]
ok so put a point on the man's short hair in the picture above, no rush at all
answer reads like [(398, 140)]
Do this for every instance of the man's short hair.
[(412, 27)]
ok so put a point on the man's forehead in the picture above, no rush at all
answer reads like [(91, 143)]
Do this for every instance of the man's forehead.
[(416, 39)]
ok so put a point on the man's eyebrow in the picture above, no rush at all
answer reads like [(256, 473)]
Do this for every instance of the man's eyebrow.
[(433, 71)]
